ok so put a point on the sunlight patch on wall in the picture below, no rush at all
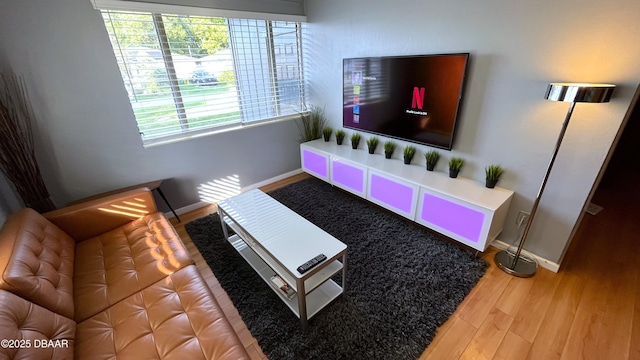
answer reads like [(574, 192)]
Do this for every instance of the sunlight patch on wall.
[(219, 189)]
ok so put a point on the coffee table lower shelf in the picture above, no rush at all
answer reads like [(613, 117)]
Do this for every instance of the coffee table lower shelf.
[(320, 289)]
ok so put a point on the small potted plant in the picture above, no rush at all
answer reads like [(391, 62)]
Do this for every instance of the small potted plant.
[(340, 134), (432, 157), (493, 173), (389, 148), (326, 133), (355, 140), (372, 144), (408, 152), (455, 163)]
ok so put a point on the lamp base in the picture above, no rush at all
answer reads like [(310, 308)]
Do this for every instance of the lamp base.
[(523, 268)]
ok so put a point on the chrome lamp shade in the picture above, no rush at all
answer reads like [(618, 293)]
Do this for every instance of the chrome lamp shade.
[(572, 92), (568, 92)]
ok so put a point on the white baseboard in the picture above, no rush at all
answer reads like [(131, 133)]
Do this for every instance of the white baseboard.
[(186, 209), (547, 264), (200, 204), (272, 180)]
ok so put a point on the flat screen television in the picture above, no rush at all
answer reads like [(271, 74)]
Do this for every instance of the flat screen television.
[(413, 98)]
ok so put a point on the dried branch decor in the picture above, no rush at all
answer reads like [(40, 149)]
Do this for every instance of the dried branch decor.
[(17, 152)]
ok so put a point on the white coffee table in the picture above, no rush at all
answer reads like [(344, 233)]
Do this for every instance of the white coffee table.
[(275, 240)]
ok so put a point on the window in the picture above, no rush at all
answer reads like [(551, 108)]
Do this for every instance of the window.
[(188, 75)]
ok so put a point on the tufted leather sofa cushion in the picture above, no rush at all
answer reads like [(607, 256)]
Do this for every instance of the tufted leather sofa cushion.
[(175, 318), (121, 262), (44, 334), (36, 261)]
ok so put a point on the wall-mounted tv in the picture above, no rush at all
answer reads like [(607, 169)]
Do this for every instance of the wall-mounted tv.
[(413, 98)]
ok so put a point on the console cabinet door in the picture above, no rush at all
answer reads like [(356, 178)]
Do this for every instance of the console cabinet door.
[(315, 163), (392, 193), (459, 220), (349, 176)]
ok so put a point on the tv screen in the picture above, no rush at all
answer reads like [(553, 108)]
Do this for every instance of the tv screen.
[(414, 98)]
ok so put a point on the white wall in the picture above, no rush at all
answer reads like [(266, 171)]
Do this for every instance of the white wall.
[(87, 139), (517, 48), (9, 202)]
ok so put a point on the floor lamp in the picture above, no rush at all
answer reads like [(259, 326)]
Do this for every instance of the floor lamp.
[(568, 92)]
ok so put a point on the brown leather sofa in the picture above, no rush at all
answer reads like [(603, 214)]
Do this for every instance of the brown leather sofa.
[(107, 279)]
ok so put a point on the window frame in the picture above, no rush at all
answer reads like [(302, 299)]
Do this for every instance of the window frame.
[(158, 10)]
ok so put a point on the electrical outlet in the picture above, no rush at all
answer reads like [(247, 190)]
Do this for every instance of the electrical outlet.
[(522, 218)]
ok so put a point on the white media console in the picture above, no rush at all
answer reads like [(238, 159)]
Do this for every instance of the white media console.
[(462, 209)]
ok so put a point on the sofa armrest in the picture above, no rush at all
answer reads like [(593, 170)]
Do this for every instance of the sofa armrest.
[(85, 220)]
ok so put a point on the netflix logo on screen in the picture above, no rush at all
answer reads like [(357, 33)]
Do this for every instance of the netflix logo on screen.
[(417, 102)]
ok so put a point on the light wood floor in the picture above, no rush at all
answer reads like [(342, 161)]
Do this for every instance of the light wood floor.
[(589, 310)]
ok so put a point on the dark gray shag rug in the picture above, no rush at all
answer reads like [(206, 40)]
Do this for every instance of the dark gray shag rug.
[(402, 281)]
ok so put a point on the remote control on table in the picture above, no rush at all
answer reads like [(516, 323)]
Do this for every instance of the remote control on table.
[(311, 263)]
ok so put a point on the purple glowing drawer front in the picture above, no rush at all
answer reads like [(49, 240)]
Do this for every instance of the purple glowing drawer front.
[(399, 196), (347, 176), (453, 217), (315, 163)]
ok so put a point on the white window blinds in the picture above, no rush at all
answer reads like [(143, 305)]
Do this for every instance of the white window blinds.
[(187, 75)]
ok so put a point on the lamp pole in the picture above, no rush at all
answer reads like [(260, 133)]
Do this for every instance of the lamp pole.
[(510, 263), (567, 92)]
